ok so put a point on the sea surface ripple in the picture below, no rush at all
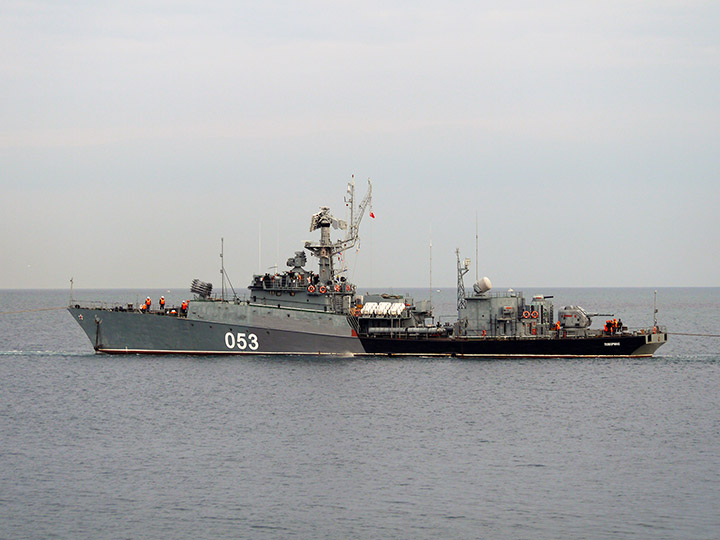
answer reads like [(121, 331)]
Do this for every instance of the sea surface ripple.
[(95, 446)]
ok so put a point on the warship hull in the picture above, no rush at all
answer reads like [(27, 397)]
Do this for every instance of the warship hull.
[(128, 332), (118, 332), (541, 347)]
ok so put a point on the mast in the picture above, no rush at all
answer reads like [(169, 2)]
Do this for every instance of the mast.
[(350, 201), (462, 269), (655, 311), (222, 268), (477, 255), (353, 230), (326, 249), (431, 286)]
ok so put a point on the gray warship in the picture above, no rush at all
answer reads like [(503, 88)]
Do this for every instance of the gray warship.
[(303, 312)]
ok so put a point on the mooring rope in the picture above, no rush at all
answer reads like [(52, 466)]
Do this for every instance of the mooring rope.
[(698, 335)]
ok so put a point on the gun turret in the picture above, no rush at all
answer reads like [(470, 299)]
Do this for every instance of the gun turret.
[(574, 317)]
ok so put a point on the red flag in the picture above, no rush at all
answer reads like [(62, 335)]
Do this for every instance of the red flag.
[(372, 215)]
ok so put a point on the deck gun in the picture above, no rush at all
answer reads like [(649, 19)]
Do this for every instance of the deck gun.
[(577, 317)]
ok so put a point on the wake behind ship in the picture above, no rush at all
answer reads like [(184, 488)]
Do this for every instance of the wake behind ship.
[(301, 311)]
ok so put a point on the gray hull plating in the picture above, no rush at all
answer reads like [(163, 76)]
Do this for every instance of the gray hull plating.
[(132, 332)]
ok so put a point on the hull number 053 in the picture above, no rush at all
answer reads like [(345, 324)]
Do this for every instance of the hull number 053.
[(242, 341)]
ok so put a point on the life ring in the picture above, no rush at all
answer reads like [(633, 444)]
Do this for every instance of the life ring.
[(322, 289), (311, 289), (337, 288), (534, 314), (484, 333), (526, 314), (348, 288)]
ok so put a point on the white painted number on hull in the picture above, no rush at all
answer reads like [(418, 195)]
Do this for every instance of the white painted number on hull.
[(242, 341)]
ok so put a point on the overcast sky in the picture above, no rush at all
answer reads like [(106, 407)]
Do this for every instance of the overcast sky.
[(584, 135)]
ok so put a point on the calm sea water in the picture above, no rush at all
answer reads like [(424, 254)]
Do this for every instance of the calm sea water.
[(94, 446)]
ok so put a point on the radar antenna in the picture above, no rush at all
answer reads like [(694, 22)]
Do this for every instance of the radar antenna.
[(325, 250)]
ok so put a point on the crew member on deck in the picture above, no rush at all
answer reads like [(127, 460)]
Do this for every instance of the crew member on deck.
[(183, 308), (148, 302), (162, 303)]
